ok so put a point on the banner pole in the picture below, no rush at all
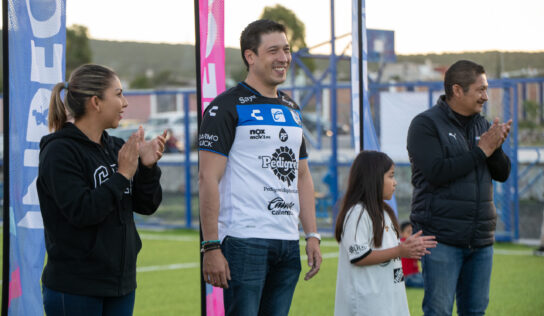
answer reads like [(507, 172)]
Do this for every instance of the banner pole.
[(199, 121), (6, 215), (361, 75)]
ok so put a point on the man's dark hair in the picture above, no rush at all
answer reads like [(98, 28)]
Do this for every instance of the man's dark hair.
[(404, 224), (251, 35), (463, 73)]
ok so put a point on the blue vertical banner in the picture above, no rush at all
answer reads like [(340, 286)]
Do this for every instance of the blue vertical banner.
[(37, 43), (363, 126)]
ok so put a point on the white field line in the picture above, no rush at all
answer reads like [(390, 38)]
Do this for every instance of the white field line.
[(168, 237), (328, 255)]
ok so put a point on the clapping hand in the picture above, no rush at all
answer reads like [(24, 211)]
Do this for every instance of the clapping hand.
[(127, 158), (150, 151), (494, 137), (416, 245)]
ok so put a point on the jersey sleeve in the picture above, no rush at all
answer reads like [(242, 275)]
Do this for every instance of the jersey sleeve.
[(218, 128), (303, 153), (357, 234)]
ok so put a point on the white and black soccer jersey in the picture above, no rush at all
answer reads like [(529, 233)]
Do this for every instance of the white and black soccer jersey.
[(263, 141), (372, 290)]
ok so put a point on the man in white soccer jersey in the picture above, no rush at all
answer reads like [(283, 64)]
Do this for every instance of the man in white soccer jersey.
[(255, 184)]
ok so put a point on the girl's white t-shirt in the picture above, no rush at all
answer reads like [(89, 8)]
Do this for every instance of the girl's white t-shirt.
[(368, 290)]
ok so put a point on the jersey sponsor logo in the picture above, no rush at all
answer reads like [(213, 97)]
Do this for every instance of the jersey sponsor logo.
[(277, 115), (245, 100), (255, 115), (258, 134), (295, 116), (287, 101), (279, 206), (398, 275), (283, 135), (283, 190), (357, 249), (283, 163), (213, 110), (207, 140)]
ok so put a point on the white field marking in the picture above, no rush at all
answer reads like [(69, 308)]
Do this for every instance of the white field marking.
[(191, 238), (328, 255), (168, 237), (177, 266), (512, 252)]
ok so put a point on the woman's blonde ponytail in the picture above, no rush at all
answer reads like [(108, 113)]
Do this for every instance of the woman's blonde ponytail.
[(57, 109)]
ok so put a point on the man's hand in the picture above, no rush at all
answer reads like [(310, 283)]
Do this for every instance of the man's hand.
[(314, 257), (494, 137), (215, 269)]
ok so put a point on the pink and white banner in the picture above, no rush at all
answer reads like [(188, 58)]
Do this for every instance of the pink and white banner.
[(212, 74), (212, 49)]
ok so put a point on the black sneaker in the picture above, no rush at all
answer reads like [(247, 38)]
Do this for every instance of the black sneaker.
[(539, 251)]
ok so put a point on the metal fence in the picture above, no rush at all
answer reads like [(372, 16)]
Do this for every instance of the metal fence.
[(327, 139)]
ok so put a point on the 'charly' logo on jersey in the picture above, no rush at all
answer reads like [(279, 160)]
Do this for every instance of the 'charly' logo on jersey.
[(255, 115), (245, 100), (279, 206), (213, 110), (283, 135), (277, 115), (296, 117), (283, 163), (258, 134)]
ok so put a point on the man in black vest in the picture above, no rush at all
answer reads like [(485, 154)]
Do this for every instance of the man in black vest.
[(455, 154)]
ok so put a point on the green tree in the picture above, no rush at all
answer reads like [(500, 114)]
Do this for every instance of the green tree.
[(78, 50), (296, 30), (141, 82)]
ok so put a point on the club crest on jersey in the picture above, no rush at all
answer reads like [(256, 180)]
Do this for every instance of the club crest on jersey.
[(283, 163), (277, 115), (283, 135), (296, 117)]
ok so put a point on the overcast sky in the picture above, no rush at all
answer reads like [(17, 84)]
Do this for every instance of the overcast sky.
[(420, 26)]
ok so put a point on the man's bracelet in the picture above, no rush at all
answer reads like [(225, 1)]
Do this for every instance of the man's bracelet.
[(210, 246), (205, 242), (313, 235)]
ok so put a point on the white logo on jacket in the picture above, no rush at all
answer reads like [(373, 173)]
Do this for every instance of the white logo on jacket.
[(102, 174)]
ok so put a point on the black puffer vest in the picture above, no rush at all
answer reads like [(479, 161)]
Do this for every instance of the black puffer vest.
[(461, 212)]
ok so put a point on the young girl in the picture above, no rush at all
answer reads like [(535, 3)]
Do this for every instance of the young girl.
[(89, 184), (370, 279)]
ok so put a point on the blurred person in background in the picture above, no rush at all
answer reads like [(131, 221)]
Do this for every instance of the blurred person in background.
[(410, 266), (455, 153), (89, 185), (172, 143)]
